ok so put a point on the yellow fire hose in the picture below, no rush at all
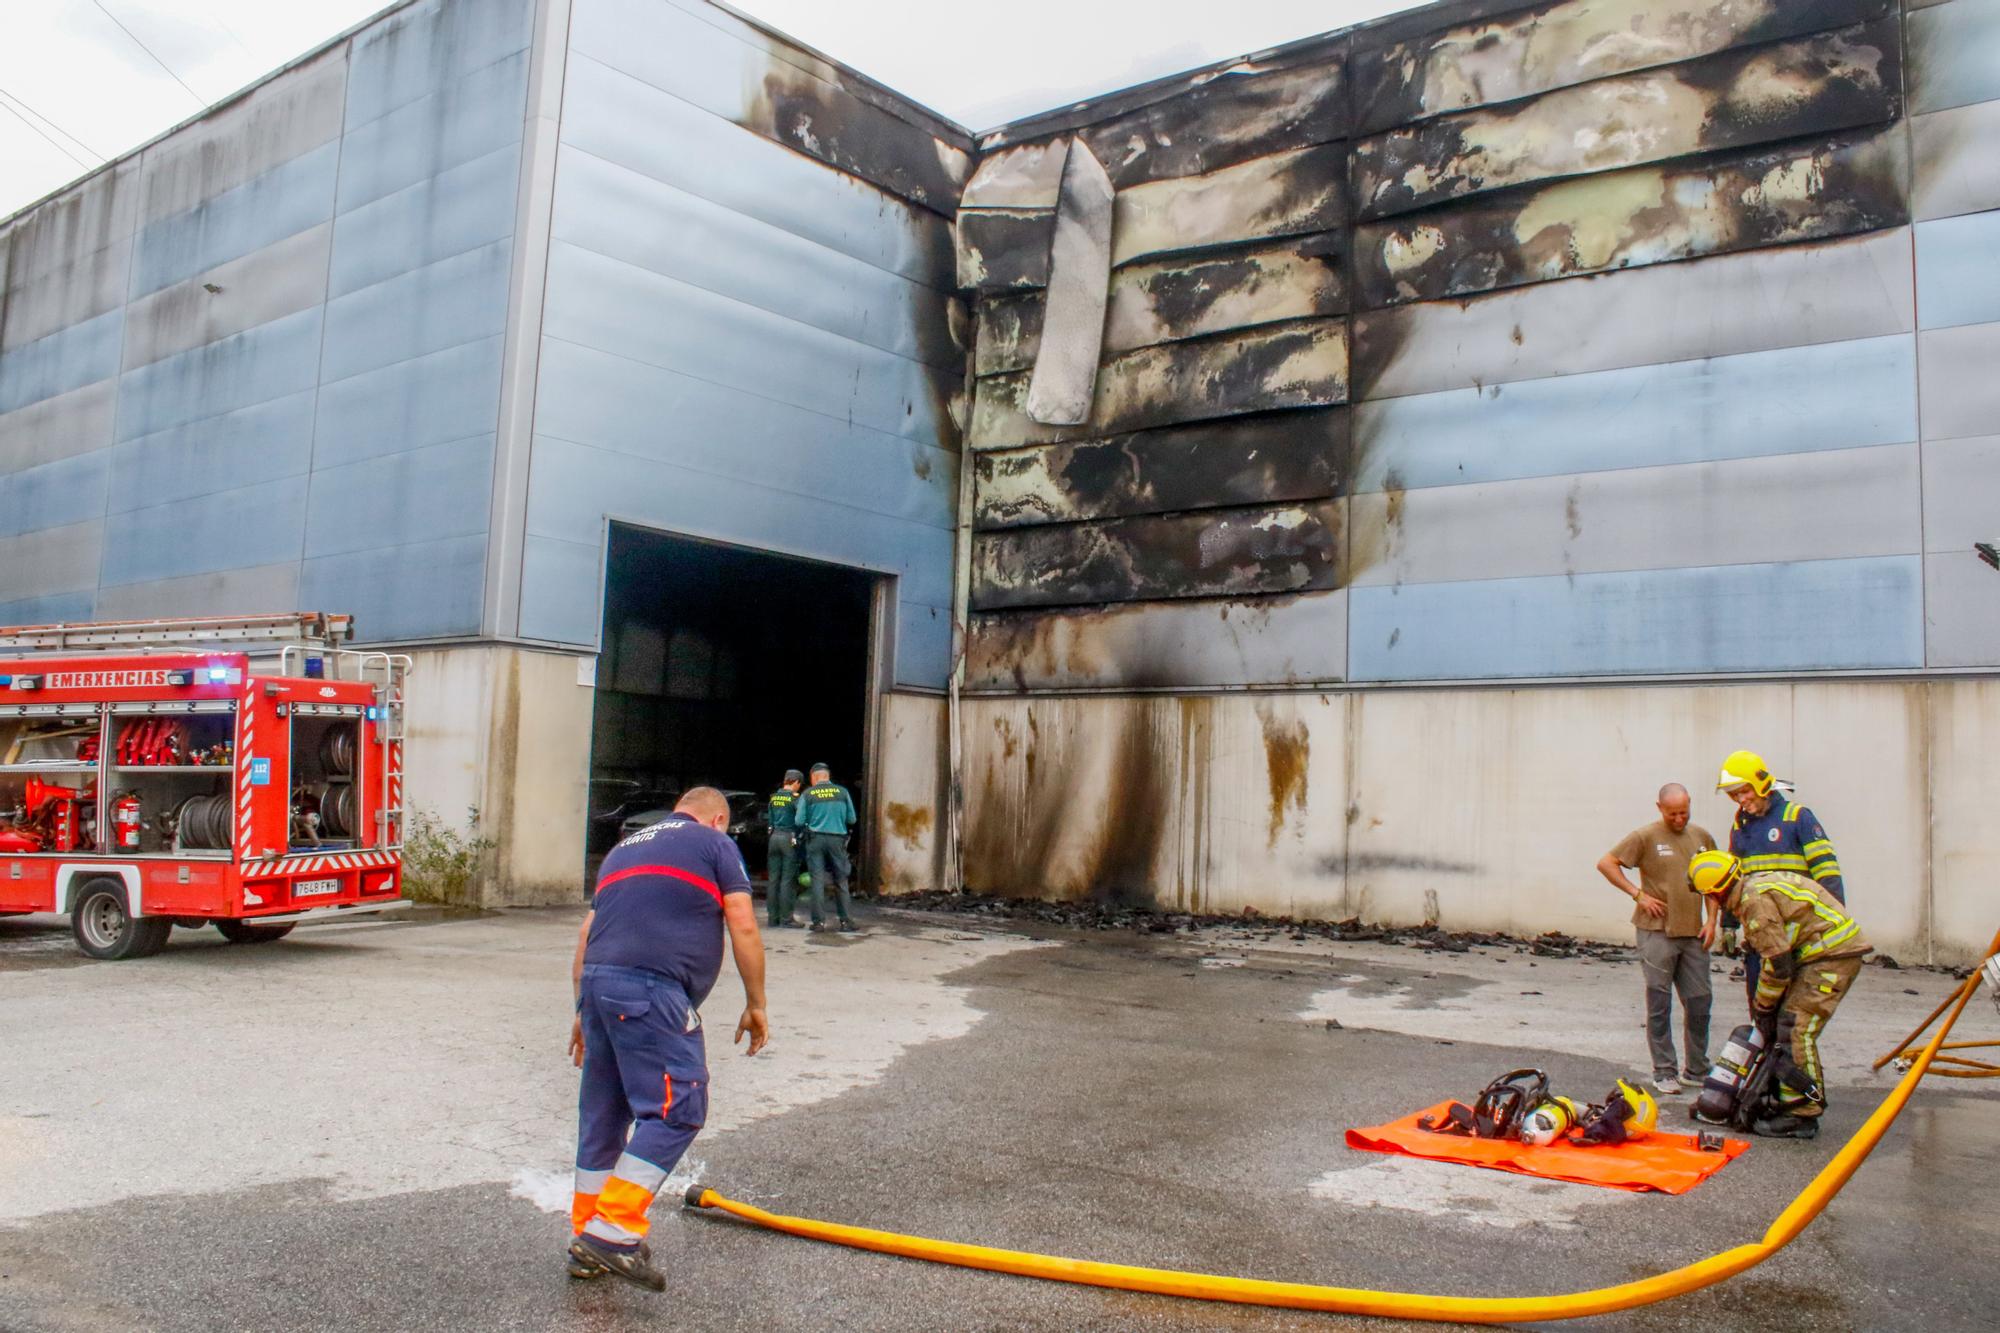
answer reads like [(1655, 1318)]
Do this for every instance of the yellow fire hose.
[(1391, 1304)]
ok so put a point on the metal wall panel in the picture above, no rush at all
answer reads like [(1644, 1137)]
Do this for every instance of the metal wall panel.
[(1961, 610), (255, 444), (60, 427), (1958, 270), (1826, 292), (1954, 54), (421, 590), (440, 216), (923, 642), (61, 361), (50, 561), (404, 57), (281, 202), (1953, 165), (1959, 492), (408, 404), (1811, 506), (63, 231), (225, 592), (255, 366), (39, 305), (465, 119), (660, 415), (1956, 385), (442, 490), (48, 609), (267, 284), (456, 300), (54, 494), (1292, 640), (621, 119), (605, 303), (562, 589), (1821, 615), (615, 211), (1840, 395), (262, 526)]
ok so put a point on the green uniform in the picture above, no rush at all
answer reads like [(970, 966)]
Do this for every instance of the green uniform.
[(824, 814), (1812, 951), (781, 862)]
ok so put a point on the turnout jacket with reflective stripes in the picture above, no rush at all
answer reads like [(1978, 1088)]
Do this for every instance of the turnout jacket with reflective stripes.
[(1787, 916), (1787, 837)]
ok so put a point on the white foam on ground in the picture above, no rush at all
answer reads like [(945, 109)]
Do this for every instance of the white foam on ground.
[(1471, 1195)]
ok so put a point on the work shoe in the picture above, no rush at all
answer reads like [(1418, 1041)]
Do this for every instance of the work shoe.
[(634, 1265), (817, 927), (790, 925), (1787, 1127), (585, 1268), (1668, 1086), (848, 928)]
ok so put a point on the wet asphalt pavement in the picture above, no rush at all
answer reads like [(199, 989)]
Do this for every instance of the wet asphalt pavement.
[(1118, 1101)]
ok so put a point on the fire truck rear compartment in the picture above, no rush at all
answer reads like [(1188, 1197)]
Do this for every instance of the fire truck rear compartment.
[(725, 666), (325, 767)]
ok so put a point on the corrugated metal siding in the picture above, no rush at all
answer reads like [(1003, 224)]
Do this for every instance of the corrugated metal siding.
[(260, 360), (738, 343)]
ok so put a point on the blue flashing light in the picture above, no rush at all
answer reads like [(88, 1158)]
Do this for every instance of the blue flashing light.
[(315, 668), (374, 713), (218, 675)]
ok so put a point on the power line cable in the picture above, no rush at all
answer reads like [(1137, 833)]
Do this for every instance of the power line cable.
[(53, 142), (149, 51), (22, 103)]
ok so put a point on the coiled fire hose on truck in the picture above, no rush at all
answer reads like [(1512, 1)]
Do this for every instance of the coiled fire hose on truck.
[(1811, 1201)]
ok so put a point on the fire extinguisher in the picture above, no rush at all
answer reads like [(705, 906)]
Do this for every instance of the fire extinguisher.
[(125, 822)]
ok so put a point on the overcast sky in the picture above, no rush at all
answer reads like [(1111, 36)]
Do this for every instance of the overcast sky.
[(82, 81)]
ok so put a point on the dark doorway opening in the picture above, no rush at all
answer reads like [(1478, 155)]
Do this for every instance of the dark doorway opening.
[(724, 666)]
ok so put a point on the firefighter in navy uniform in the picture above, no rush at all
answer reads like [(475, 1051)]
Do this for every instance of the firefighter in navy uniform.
[(781, 861), (1812, 952), (646, 957), (1774, 833), (825, 815)]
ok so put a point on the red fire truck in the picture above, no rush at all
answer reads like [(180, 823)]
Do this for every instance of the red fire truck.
[(244, 773)]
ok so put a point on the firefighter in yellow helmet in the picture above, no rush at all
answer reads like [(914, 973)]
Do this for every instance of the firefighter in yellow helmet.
[(1812, 951), (1774, 832)]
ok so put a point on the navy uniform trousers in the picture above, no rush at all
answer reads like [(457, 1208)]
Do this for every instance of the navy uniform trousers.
[(645, 1071)]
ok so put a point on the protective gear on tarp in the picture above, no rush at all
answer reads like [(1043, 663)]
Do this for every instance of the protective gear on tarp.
[(1663, 1161), (1500, 1108), (1628, 1113), (1551, 1121)]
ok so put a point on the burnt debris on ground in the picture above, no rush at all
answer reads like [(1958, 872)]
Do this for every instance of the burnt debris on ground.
[(1250, 924)]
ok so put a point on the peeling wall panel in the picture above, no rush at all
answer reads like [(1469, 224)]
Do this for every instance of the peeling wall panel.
[(1282, 640), (1812, 506), (1554, 46), (1635, 217), (1954, 54), (1245, 460), (1285, 194), (1170, 300), (1791, 296), (1812, 85), (1231, 118), (1302, 364), (1824, 615), (1954, 167), (1218, 553), (768, 95), (1844, 395), (1000, 248), (1958, 270)]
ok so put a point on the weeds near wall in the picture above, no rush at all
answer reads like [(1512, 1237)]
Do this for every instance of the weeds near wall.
[(440, 862)]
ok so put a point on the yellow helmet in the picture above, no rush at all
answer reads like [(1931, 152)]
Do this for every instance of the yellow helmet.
[(1645, 1112), (1744, 769), (1713, 872)]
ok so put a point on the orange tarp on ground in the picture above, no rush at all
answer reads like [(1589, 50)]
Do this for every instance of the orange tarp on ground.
[(1669, 1163)]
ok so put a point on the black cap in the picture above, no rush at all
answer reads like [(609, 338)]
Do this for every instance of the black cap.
[(821, 768), (793, 775)]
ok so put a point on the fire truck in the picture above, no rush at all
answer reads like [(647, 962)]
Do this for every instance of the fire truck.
[(243, 773)]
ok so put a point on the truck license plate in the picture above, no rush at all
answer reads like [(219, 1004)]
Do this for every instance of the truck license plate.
[(311, 888)]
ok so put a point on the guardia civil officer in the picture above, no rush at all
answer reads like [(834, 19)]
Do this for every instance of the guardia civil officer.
[(825, 814), (781, 860), (1773, 832), (646, 957)]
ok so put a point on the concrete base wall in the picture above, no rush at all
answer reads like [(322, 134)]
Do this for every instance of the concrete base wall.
[(505, 732), (1482, 809)]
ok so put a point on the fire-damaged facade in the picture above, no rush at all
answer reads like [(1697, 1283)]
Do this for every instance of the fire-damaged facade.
[(1386, 458)]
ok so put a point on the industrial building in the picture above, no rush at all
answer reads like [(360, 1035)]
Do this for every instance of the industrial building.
[(1390, 456)]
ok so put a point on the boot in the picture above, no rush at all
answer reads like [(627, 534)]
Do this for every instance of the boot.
[(1787, 1127), (634, 1265)]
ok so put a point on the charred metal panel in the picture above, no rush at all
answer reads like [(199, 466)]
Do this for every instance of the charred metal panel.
[(1059, 390), (1226, 553), (1556, 45), (1238, 115), (1811, 85), (1828, 291), (1285, 194), (1002, 248), (1245, 460), (1296, 639), (1302, 364), (822, 121), (1172, 299), (1635, 217)]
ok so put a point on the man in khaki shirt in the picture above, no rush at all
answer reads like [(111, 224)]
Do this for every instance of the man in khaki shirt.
[(1675, 929)]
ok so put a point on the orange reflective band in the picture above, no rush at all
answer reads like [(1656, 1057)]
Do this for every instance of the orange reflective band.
[(624, 1205), (582, 1208)]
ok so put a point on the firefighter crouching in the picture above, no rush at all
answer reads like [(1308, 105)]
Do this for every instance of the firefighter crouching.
[(1811, 951)]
